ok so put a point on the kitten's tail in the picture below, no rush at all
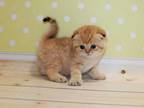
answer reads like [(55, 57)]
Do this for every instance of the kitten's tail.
[(53, 28)]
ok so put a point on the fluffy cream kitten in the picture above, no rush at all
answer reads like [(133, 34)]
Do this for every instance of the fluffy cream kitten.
[(81, 53)]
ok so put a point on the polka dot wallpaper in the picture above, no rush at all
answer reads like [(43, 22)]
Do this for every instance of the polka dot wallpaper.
[(21, 26)]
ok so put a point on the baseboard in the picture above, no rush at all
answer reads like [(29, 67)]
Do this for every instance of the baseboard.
[(32, 57), (18, 56)]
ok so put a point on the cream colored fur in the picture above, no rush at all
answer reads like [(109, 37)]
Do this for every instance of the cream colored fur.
[(58, 58)]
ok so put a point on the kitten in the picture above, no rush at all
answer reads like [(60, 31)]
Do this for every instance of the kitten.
[(81, 53)]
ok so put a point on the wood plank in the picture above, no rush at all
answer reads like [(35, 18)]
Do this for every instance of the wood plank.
[(17, 66), (22, 86), (30, 79), (73, 96), (112, 75), (14, 103)]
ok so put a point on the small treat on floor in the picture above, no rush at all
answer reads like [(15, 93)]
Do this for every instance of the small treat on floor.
[(126, 76), (123, 71)]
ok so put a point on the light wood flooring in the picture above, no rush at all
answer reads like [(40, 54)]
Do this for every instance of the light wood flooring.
[(22, 87)]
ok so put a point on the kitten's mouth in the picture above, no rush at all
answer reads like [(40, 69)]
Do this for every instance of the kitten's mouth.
[(89, 54)]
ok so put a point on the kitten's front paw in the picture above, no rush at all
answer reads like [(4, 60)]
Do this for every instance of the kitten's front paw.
[(75, 82), (58, 78)]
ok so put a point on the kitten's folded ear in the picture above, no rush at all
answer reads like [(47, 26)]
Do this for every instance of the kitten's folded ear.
[(74, 34), (102, 32)]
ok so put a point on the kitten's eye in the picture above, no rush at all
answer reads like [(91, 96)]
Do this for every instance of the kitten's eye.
[(82, 46), (93, 46)]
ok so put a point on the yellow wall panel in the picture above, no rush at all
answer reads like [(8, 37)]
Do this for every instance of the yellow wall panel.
[(21, 26)]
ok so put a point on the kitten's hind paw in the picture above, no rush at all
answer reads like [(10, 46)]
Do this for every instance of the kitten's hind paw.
[(75, 82), (97, 76)]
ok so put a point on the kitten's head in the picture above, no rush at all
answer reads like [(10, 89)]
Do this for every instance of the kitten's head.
[(89, 40)]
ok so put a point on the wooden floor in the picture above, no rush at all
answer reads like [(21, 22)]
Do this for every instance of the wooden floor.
[(22, 87)]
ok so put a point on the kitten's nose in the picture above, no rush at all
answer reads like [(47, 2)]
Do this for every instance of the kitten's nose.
[(87, 51)]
